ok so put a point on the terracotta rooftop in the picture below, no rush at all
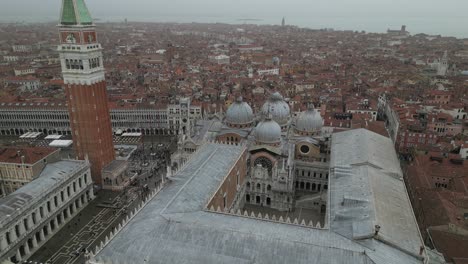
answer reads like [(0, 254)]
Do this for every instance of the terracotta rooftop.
[(31, 154), (454, 246), (436, 165)]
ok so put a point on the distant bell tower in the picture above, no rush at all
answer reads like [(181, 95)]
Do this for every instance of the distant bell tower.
[(85, 86), (403, 29), (443, 65), (283, 22)]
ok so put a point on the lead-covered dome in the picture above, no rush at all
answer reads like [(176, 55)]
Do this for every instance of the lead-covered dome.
[(277, 108), (268, 132), (239, 114), (309, 122)]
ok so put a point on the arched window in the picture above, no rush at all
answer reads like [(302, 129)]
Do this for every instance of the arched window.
[(259, 186), (247, 198), (308, 186), (268, 187), (67, 63), (302, 185), (313, 186), (268, 201), (248, 185)]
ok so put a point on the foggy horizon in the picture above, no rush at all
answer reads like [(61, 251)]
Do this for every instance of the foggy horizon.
[(431, 17)]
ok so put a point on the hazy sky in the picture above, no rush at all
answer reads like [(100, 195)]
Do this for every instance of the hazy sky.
[(424, 15)]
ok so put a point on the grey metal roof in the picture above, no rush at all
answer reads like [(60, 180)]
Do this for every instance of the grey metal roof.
[(174, 228), (361, 146), (309, 121), (243, 132), (277, 108), (206, 130), (239, 113), (51, 176), (268, 131), (366, 190)]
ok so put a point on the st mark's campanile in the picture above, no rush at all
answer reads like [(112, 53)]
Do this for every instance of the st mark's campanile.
[(85, 86)]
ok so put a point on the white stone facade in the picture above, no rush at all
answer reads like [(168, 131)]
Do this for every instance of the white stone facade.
[(39, 214), (22, 48), (25, 71), (81, 64), (10, 58), (19, 118), (268, 72)]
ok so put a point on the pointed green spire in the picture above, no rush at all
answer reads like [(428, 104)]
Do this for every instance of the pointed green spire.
[(75, 12)]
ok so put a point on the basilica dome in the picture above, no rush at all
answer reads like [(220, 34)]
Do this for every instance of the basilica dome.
[(309, 122), (239, 114), (268, 132), (277, 108)]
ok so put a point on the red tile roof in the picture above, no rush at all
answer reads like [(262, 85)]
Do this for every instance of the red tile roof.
[(31, 154), (452, 245)]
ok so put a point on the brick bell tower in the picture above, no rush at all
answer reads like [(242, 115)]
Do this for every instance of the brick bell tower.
[(85, 86)]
